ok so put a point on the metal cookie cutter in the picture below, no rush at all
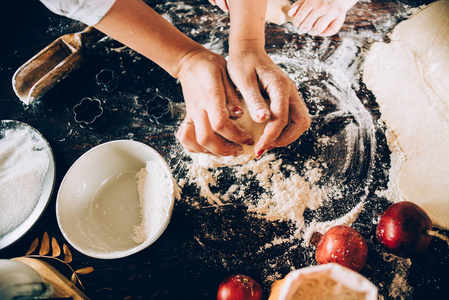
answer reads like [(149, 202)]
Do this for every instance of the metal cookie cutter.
[(89, 113), (106, 80), (160, 109)]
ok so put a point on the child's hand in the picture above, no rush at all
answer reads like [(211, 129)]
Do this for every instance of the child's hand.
[(320, 17), (210, 101), (252, 71)]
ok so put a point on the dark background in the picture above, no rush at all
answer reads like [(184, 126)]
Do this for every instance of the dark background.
[(202, 245)]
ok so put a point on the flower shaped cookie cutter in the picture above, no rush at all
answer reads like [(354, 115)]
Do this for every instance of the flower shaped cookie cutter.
[(89, 113), (160, 109), (106, 80)]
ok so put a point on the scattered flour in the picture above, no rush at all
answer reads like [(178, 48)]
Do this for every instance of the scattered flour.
[(284, 198), (399, 289), (24, 161), (155, 190)]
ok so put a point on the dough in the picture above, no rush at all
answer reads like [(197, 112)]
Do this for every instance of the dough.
[(410, 79), (277, 11), (253, 128)]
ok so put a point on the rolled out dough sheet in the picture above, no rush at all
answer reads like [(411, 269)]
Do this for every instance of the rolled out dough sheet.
[(410, 78)]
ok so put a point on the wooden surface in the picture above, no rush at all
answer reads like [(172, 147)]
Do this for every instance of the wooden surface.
[(202, 245)]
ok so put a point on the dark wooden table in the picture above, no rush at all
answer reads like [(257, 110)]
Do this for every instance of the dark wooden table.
[(202, 245)]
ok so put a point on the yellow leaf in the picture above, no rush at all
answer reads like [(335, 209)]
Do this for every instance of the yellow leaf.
[(67, 253), (55, 247), (84, 270), (45, 245), (33, 246), (73, 278)]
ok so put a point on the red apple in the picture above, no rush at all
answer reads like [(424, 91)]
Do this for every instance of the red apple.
[(239, 287), (342, 245), (403, 229)]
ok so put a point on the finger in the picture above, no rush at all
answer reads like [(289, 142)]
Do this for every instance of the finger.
[(257, 105), (301, 15), (234, 102), (279, 106), (226, 5), (186, 136), (334, 27), (212, 141), (309, 21), (221, 124), (294, 8), (321, 24), (299, 122), (223, 4), (220, 118)]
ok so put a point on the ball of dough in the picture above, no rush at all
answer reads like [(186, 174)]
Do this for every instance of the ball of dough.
[(253, 128)]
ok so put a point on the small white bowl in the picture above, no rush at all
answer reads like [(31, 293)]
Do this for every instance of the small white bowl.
[(47, 184), (97, 206)]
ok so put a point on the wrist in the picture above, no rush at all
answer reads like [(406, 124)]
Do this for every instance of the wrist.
[(246, 46), (200, 57), (187, 61)]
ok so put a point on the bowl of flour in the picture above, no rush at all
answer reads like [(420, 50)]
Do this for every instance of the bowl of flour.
[(116, 199), (27, 177)]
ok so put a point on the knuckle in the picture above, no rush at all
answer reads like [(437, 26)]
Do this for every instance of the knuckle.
[(322, 7), (283, 122), (203, 139), (285, 81), (219, 124)]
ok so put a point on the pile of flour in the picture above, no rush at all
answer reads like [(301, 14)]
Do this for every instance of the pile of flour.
[(24, 161), (155, 192)]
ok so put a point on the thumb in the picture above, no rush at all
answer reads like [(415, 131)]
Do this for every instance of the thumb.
[(257, 105)]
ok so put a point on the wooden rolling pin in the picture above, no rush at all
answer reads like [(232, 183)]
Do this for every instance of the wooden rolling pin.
[(63, 288)]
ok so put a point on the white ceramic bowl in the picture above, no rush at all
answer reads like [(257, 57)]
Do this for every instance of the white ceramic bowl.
[(97, 206), (47, 184)]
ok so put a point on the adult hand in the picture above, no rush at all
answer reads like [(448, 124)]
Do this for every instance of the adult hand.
[(320, 17), (253, 71), (210, 97), (211, 102)]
